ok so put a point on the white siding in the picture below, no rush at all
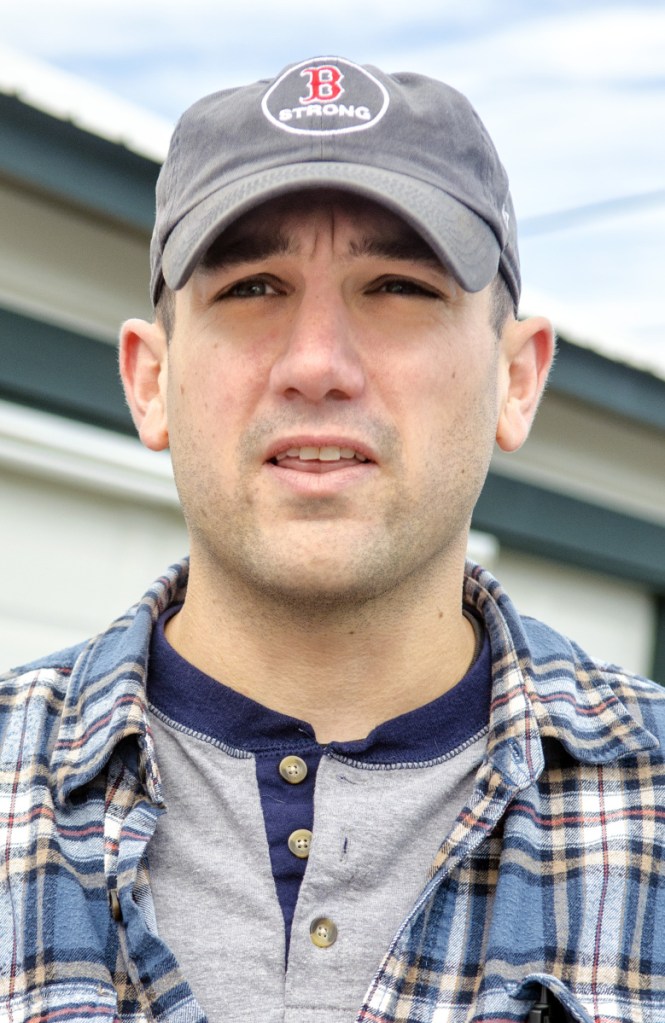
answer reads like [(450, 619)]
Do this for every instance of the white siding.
[(611, 620), (87, 521), (68, 267)]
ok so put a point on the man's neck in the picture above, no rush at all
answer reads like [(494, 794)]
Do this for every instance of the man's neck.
[(342, 670)]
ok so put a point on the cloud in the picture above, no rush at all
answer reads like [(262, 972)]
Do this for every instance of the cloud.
[(517, 36), (127, 27), (601, 283)]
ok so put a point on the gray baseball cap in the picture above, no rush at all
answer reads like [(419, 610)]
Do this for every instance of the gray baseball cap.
[(410, 143)]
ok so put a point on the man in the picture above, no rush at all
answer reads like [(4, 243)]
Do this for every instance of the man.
[(322, 768)]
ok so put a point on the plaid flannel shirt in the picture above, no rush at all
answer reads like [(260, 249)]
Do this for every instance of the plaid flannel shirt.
[(552, 874)]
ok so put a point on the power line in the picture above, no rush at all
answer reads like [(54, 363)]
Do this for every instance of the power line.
[(560, 220)]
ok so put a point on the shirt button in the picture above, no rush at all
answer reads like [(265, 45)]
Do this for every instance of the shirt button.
[(300, 842), (116, 911), (323, 932), (293, 770)]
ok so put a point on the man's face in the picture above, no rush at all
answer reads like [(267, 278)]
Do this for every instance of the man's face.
[(332, 399)]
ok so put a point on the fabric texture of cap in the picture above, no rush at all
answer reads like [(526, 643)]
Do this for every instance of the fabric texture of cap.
[(408, 142)]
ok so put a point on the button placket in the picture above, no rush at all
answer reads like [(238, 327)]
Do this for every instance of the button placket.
[(293, 770)]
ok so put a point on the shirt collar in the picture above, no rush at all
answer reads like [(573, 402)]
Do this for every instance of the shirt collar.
[(105, 700), (544, 686)]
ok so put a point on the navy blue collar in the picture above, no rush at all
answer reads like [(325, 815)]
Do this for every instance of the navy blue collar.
[(198, 702)]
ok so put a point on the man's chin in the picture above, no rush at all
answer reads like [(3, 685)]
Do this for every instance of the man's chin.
[(319, 593), (314, 569), (318, 585)]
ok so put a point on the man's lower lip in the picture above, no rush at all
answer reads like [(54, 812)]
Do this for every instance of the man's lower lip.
[(313, 480), (316, 465)]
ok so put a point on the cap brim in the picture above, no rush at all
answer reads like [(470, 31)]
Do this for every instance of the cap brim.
[(463, 242)]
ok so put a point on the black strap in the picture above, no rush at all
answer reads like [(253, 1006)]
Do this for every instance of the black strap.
[(547, 1009)]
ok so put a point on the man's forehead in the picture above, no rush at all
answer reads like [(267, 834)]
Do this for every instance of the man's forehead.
[(276, 227)]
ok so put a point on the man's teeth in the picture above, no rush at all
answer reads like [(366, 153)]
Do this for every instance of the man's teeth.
[(329, 453)]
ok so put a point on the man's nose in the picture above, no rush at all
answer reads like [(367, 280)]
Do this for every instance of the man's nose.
[(320, 357)]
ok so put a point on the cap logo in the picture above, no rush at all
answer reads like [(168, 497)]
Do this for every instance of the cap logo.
[(324, 84), (310, 98)]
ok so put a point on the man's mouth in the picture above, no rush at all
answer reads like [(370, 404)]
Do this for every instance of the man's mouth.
[(330, 453), (318, 459)]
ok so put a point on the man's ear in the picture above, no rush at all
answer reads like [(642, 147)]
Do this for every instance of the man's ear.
[(143, 368), (528, 351)]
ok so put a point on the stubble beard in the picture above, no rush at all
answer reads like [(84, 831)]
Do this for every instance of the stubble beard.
[(322, 570)]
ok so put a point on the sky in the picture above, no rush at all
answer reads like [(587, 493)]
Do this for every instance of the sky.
[(572, 91)]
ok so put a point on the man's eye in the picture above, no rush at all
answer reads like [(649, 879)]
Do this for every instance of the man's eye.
[(253, 287), (403, 286)]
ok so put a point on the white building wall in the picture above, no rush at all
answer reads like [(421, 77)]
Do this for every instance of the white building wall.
[(611, 620), (87, 521), (69, 267)]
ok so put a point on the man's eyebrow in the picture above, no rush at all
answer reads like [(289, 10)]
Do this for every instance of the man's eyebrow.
[(224, 254), (410, 248)]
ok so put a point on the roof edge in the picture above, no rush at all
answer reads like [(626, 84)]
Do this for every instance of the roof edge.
[(68, 97)]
